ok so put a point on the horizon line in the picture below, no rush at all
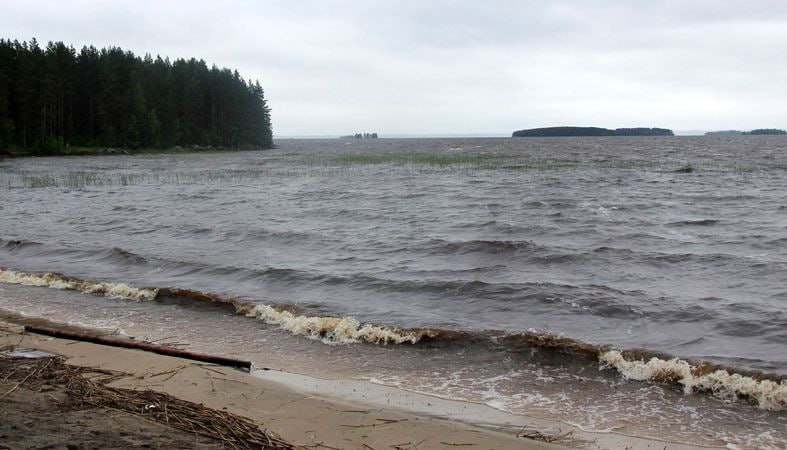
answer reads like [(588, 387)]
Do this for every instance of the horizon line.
[(444, 135)]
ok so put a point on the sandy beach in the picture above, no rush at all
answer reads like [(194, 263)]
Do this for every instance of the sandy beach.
[(327, 414)]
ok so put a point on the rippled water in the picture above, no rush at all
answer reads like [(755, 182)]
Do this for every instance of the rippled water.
[(674, 245)]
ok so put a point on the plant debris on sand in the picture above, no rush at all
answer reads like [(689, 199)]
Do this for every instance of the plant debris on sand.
[(87, 388)]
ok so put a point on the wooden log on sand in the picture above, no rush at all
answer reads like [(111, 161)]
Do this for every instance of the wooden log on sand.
[(146, 346)]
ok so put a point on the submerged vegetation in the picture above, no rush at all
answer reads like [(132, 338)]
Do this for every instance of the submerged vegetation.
[(358, 165), (55, 98), (431, 159)]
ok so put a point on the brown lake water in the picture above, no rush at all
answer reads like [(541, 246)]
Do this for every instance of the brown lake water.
[(501, 271)]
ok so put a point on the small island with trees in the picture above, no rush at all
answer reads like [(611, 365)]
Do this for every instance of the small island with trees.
[(591, 131), (757, 132), (360, 136), (57, 100)]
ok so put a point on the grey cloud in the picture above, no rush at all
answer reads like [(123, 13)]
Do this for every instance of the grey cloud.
[(332, 66)]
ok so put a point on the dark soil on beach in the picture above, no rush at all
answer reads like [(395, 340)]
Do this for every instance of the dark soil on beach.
[(47, 403), (34, 420)]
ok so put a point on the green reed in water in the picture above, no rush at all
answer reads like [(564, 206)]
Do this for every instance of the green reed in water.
[(431, 159), (514, 162), (350, 165), (72, 180)]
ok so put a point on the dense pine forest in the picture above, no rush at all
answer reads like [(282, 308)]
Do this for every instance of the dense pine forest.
[(54, 98)]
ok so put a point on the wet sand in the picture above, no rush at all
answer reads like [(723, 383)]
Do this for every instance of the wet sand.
[(327, 414)]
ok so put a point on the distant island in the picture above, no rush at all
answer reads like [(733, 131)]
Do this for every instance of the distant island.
[(360, 136), (59, 100), (757, 132), (591, 131), (724, 133)]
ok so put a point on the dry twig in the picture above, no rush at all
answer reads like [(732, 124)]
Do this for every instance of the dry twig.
[(384, 422), (233, 430), (545, 437)]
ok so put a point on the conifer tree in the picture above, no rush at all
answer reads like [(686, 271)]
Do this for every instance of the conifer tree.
[(54, 97)]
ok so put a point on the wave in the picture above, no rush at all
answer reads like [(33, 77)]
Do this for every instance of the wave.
[(768, 391), (774, 243), (278, 235), (114, 254), (768, 394), (331, 330), (586, 299), (615, 254), (599, 300), (343, 330), (440, 246), (698, 222), (123, 256), (19, 244), (58, 281), (596, 300)]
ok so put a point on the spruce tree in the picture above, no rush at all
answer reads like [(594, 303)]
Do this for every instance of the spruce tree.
[(55, 97)]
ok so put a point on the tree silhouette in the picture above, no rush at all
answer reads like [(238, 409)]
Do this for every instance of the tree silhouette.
[(55, 97)]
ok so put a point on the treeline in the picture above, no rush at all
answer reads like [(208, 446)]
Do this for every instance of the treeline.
[(757, 132), (360, 136), (55, 97), (643, 132), (724, 133), (591, 131), (765, 131)]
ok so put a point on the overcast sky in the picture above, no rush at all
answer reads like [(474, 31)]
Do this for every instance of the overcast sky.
[(460, 66)]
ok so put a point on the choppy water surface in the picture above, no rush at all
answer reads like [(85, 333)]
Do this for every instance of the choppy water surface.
[(517, 266)]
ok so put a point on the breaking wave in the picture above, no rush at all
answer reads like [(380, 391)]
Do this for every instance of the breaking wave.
[(343, 330), (767, 391), (769, 394), (57, 281)]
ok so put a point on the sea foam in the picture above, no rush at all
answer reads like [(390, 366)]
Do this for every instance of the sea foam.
[(55, 281), (341, 330), (768, 394)]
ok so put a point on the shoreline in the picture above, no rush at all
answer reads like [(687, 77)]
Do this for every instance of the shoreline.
[(299, 418), (123, 151), (319, 413)]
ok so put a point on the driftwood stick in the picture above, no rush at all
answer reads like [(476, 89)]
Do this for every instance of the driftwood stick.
[(169, 351), (19, 384)]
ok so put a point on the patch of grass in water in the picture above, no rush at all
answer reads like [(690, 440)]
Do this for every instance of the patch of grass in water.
[(525, 163), (431, 159), (40, 181), (358, 165)]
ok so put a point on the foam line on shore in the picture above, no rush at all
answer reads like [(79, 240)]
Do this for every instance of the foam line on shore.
[(57, 281), (768, 394), (331, 330), (343, 330)]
